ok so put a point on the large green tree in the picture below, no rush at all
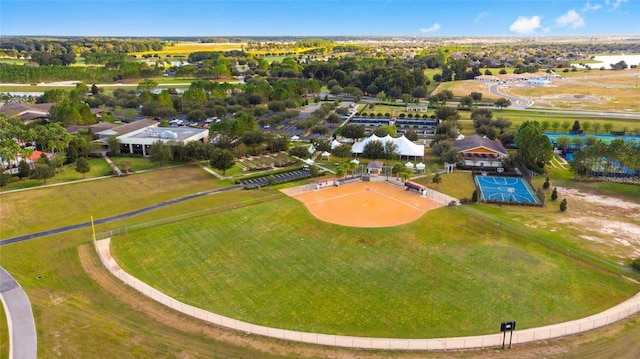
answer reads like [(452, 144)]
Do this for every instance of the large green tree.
[(534, 147), (82, 166), (221, 159), (159, 152)]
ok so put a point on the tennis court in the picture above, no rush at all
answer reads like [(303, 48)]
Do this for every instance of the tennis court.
[(507, 189)]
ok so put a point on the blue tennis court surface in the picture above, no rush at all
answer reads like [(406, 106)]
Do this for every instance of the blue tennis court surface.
[(506, 189)]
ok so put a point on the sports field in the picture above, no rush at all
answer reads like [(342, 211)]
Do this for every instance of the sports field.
[(274, 264), (365, 204), (508, 189)]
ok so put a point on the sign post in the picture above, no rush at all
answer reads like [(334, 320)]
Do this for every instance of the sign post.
[(507, 326)]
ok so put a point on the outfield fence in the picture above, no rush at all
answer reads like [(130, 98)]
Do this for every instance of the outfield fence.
[(621, 311), (184, 216)]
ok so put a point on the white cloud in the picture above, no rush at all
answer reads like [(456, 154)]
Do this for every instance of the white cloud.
[(480, 16), (589, 7), (525, 25), (614, 4), (571, 19), (433, 28)]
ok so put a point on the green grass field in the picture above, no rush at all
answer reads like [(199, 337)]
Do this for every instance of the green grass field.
[(76, 317), (41, 209), (98, 167), (407, 281)]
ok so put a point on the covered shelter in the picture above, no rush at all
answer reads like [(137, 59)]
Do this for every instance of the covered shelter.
[(481, 152), (404, 146)]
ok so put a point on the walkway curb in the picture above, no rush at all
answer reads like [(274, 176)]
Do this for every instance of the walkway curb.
[(23, 342), (621, 311)]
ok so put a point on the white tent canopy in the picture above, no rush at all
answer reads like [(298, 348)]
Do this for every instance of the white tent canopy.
[(335, 143), (325, 154), (355, 161), (408, 165), (404, 146), (420, 166)]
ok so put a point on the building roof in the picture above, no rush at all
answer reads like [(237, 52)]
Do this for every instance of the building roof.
[(27, 112), (151, 134), (134, 126), (98, 127), (375, 165), (404, 145), (473, 142)]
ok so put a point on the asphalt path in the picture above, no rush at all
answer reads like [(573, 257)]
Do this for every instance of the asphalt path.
[(115, 218), (23, 341), (516, 102)]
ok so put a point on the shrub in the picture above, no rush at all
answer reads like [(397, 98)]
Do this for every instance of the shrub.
[(546, 184), (554, 194), (563, 205), (636, 264), (474, 196)]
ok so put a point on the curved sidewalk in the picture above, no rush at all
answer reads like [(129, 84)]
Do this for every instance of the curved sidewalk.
[(23, 343), (623, 310)]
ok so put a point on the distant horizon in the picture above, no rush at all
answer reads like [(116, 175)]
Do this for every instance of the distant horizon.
[(231, 37), (315, 18)]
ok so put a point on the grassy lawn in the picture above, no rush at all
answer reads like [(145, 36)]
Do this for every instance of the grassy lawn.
[(76, 317), (41, 208), (372, 282), (182, 49), (137, 163), (99, 168), (12, 61), (4, 339)]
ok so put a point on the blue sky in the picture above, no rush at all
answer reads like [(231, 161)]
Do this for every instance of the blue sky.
[(317, 18)]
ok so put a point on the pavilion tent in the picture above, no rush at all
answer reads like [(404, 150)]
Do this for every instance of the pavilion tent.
[(405, 147)]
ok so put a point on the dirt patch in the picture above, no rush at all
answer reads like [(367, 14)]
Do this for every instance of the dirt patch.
[(608, 221), (365, 204)]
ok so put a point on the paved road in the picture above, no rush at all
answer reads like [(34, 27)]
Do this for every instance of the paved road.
[(115, 218), (23, 343), (516, 102)]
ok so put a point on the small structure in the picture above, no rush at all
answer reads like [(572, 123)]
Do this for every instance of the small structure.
[(480, 152), (420, 167), (374, 168), (409, 166), (417, 108), (538, 82), (325, 155), (412, 186), (327, 182)]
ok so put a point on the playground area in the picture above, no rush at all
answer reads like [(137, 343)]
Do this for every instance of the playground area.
[(364, 204)]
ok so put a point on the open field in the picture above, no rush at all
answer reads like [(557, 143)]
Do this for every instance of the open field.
[(517, 117), (385, 277), (464, 88), (80, 294), (183, 49), (98, 166), (38, 209)]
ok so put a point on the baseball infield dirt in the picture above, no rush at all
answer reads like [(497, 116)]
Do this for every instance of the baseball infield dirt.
[(365, 204)]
